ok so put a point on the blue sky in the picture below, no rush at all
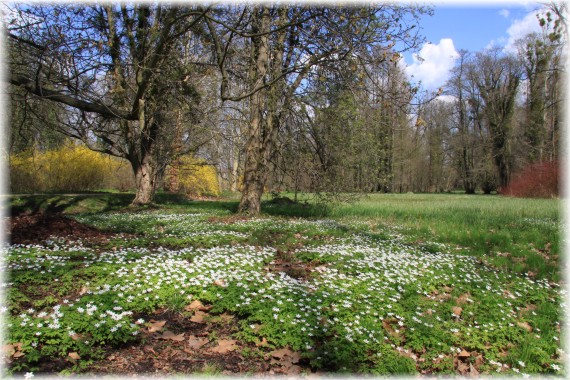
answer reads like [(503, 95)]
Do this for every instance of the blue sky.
[(472, 27)]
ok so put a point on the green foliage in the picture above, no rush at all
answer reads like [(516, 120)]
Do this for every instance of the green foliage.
[(370, 298)]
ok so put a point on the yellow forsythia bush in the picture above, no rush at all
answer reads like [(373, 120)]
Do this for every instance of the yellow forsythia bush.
[(72, 167), (195, 177)]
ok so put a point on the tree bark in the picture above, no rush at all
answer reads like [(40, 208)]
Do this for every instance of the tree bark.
[(258, 134), (144, 177), (142, 159)]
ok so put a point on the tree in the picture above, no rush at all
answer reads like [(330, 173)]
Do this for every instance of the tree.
[(388, 104), (28, 118), (536, 60), (498, 82), (438, 119), (115, 68), (285, 44), (467, 104), (540, 56)]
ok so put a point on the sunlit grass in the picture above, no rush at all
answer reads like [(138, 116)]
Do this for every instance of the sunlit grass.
[(488, 226)]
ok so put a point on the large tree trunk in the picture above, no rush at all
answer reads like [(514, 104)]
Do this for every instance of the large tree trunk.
[(504, 169), (258, 147), (262, 131), (258, 152), (142, 160), (252, 192), (254, 168), (144, 178)]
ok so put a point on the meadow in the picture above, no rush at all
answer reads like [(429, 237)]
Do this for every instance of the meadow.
[(389, 284)]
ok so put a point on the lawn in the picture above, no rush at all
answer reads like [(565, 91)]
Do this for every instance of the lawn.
[(391, 284)]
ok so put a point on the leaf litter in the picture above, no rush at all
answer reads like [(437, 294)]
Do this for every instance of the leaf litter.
[(167, 354)]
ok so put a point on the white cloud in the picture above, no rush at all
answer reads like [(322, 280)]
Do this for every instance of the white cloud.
[(446, 98), (501, 41), (520, 28), (432, 64), (505, 13)]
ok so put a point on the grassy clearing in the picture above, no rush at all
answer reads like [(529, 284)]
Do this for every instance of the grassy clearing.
[(372, 289), (515, 234)]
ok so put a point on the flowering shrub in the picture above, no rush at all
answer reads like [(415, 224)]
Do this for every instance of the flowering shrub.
[(195, 177), (69, 168), (535, 181)]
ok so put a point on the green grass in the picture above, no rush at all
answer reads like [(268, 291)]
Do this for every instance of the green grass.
[(487, 226), (373, 288)]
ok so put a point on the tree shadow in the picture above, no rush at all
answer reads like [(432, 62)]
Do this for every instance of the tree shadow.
[(284, 206), (53, 204)]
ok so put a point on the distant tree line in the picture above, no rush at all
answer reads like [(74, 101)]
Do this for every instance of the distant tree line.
[(279, 97)]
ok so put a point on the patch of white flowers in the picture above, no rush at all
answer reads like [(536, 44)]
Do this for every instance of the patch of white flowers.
[(358, 289)]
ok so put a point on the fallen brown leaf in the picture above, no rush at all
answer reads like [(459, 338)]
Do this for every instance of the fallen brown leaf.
[(462, 299), (525, 325), (473, 371), (462, 368), (286, 353), (8, 350), (195, 343), (226, 317), (388, 327), (74, 355), (18, 354), (293, 370), (224, 346), (261, 343), (194, 305), (199, 317), (463, 354), (457, 310), (197, 305), (169, 335), (81, 337), (156, 325), (479, 360)]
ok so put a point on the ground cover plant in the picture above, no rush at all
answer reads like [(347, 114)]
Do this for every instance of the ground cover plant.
[(193, 287)]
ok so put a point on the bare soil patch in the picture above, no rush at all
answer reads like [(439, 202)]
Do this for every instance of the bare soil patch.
[(37, 228), (176, 345)]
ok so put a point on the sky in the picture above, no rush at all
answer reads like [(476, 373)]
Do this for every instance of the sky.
[(473, 27)]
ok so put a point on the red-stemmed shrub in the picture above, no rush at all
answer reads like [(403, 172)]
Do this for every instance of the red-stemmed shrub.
[(535, 181)]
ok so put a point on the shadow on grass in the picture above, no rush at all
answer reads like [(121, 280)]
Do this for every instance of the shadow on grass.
[(294, 209), (30, 204), (66, 204)]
